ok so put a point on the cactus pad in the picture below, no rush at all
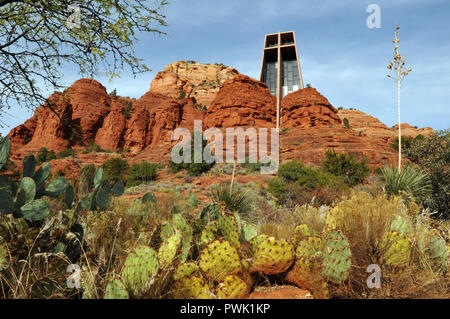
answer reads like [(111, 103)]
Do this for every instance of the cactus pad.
[(301, 232), (255, 241), (6, 202), (57, 187), (229, 229), (219, 260), (336, 257), (273, 257), (140, 267), (233, 287), (168, 250), (5, 148), (395, 248), (29, 165), (185, 270), (116, 290), (248, 232), (438, 254), (35, 210), (192, 287)]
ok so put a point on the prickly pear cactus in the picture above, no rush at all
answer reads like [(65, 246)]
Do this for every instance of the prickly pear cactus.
[(232, 287), (301, 232), (5, 148), (6, 202), (35, 211), (26, 192), (310, 247), (437, 252), (180, 223), (395, 249), (40, 178), (192, 287), (57, 187), (168, 250), (219, 260), (29, 165), (307, 274), (229, 229), (208, 234), (185, 270), (401, 225), (248, 232), (255, 241), (336, 257), (273, 257), (139, 269), (116, 290), (148, 198)]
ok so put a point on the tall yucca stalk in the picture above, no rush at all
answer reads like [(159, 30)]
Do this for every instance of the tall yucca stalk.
[(398, 72)]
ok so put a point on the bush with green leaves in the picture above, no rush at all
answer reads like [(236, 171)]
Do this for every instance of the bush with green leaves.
[(115, 169), (347, 166), (66, 153), (409, 181), (44, 156), (194, 169), (143, 172), (432, 155)]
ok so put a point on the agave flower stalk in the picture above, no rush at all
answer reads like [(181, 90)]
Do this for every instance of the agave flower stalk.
[(398, 71)]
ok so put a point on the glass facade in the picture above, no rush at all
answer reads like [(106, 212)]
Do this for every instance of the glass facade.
[(270, 77), (291, 80)]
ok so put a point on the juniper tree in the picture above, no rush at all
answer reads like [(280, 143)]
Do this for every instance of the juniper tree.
[(38, 37), (398, 72)]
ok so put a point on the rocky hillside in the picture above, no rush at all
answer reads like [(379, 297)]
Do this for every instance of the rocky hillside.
[(86, 113)]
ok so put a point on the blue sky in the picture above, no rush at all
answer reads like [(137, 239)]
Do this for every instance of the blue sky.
[(340, 56)]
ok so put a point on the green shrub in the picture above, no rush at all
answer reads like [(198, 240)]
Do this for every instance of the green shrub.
[(347, 166), (141, 173), (346, 122), (309, 177), (408, 180), (432, 155), (66, 153), (115, 169), (194, 169), (44, 156), (407, 142)]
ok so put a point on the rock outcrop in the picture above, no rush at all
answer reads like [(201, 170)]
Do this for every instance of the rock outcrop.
[(307, 108), (192, 80), (242, 102), (310, 125)]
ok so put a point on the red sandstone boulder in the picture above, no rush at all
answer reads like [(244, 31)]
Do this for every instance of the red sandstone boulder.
[(307, 108), (242, 101)]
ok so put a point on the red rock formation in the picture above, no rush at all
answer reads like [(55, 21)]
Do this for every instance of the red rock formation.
[(242, 101), (410, 131), (307, 108)]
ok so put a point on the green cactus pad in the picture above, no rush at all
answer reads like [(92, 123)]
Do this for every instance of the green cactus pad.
[(437, 252), (139, 269), (208, 234), (310, 247), (35, 210), (102, 200), (40, 178), (401, 225), (26, 192), (6, 202), (5, 148), (229, 229), (248, 232), (185, 270), (168, 250), (273, 257), (255, 241), (192, 287), (180, 223), (219, 260), (395, 249), (148, 198), (118, 189), (336, 257), (69, 197), (301, 232), (233, 287), (57, 187), (116, 290), (98, 177), (29, 166)]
